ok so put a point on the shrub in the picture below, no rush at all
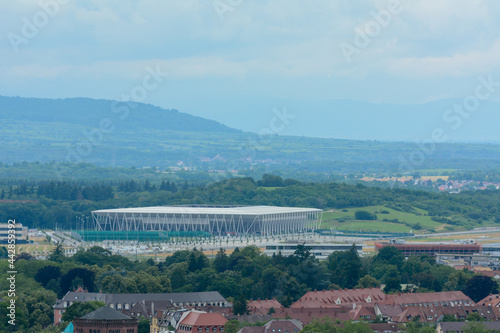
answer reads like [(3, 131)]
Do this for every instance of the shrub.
[(364, 215)]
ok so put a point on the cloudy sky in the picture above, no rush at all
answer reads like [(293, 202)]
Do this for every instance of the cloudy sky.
[(236, 60)]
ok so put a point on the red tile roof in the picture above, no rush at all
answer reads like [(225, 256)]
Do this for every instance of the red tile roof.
[(203, 319), (328, 298), (263, 306), (492, 300), (428, 298)]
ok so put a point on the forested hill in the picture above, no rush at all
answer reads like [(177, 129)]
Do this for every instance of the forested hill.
[(90, 112), (41, 204)]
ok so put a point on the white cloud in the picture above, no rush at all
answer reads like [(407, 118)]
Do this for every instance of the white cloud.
[(457, 65)]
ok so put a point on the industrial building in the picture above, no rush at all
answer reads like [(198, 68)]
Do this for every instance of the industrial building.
[(417, 249), (320, 251), (199, 221)]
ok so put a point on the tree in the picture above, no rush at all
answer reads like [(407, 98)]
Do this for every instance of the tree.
[(240, 306), (57, 254), (480, 286), (24, 255), (457, 280), (220, 261), (345, 267), (177, 275), (389, 255), (3, 252), (368, 282), (232, 326), (83, 275), (143, 326), (474, 316), (392, 280), (39, 306), (47, 273), (364, 215)]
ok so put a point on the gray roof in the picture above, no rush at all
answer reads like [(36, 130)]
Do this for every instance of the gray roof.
[(237, 210), (458, 326), (105, 313), (200, 297), (275, 325)]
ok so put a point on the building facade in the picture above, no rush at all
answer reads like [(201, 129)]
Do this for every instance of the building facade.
[(212, 220), (320, 251)]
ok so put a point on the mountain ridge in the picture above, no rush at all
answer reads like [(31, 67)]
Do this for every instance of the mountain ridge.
[(88, 112)]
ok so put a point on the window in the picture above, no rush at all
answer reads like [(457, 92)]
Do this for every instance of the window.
[(207, 329)]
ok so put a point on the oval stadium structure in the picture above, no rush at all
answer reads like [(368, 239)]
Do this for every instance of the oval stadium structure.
[(212, 220)]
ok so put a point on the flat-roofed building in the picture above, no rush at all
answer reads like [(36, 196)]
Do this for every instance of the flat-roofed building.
[(19, 232), (320, 251), (417, 249), (212, 220)]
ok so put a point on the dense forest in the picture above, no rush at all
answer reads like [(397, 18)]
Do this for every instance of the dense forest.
[(244, 274)]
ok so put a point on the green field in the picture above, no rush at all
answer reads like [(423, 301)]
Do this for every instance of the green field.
[(406, 221)]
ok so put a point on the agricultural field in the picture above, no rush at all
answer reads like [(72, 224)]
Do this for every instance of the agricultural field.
[(388, 220)]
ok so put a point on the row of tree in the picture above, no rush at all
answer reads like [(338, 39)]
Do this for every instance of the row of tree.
[(61, 202), (243, 274)]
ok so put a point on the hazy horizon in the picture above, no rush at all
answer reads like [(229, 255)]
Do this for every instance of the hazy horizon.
[(237, 62)]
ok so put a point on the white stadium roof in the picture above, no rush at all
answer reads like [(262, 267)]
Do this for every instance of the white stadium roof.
[(204, 210)]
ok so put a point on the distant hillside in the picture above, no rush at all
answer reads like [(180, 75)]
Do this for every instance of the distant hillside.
[(89, 112), (110, 133)]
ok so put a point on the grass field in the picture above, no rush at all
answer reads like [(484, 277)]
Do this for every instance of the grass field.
[(405, 222), (34, 249)]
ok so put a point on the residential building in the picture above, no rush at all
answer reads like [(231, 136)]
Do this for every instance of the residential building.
[(263, 307), (336, 298), (196, 321), (125, 302)]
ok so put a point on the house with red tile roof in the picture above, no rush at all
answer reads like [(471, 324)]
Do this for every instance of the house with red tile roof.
[(197, 321), (492, 300), (437, 298), (337, 298), (262, 307), (341, 313)]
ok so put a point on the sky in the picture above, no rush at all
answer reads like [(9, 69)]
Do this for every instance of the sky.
[(241, 62)]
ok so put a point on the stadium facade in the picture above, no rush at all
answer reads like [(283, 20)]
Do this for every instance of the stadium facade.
[(212, 220)]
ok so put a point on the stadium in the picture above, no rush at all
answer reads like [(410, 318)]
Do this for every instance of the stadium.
[(202, 221)]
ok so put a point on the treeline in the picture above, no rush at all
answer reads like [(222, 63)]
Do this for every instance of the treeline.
[(241, 275), (61, 202)]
